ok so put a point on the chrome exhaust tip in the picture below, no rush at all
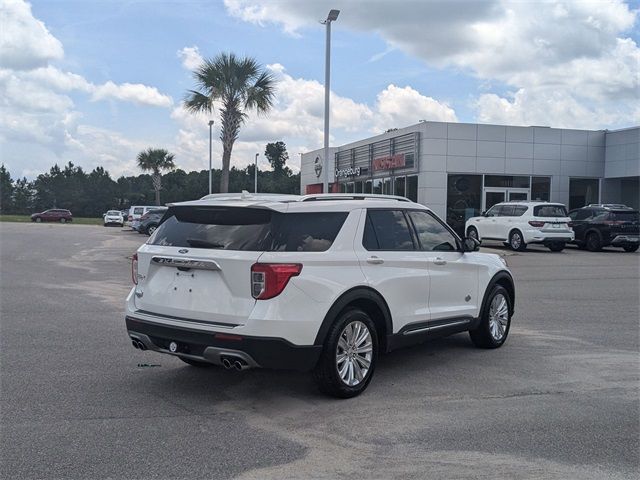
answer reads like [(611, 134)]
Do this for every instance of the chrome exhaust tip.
[(135, 344), (226, 363)]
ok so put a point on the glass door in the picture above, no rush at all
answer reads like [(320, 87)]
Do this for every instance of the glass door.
[(492, 196)]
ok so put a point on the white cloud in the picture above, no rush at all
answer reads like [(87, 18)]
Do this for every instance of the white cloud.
[(132, 92), (25, 42), (578, 50), (190, 57)]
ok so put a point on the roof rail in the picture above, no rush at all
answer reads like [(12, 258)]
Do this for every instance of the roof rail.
[(245, 195), (609, 205), (351, 196)]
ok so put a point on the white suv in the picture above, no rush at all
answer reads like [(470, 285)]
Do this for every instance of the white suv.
[(517, 224), (322, 283)]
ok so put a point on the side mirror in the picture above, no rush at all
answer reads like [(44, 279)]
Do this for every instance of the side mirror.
[(484, 213), (470, 245)]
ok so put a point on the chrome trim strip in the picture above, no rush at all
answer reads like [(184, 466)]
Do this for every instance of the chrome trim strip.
[(436, 327), (180, 262)]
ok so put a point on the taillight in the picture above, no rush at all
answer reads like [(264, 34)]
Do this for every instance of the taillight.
[(536, 224), (269, 279), (134, 268), (570, 224), (130, 218), (613, 222)]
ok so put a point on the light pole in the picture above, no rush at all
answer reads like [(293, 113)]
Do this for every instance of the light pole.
[(332, 17), (255, 178), (210, 173)]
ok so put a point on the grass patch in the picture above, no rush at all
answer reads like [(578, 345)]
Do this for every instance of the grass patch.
[(27, 219)]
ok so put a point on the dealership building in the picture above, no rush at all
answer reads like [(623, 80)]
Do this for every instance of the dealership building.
[(461, 169)]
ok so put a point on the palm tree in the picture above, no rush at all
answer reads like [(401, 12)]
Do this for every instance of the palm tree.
[(239, 84), (155, 160)]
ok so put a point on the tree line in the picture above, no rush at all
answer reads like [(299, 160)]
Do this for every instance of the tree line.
[(90, 194)]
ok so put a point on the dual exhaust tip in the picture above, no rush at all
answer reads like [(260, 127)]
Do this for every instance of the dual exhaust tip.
[(227, 362), (138, 344), (237, 363)]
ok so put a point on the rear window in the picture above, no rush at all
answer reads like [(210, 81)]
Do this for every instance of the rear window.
[(249, 229), (113, 212), (549, 211), (624, 216), (138, 211)]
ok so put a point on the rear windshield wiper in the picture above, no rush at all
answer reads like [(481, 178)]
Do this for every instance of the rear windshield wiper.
[(198, 243)]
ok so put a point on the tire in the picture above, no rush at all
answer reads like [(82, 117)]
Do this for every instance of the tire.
[(516, 242), (593, 242), (326, 374), (62, 220), (473, 233), (556, 246), (38, 220), (482, 335), (151, 228), (196, 363), (631, 248)]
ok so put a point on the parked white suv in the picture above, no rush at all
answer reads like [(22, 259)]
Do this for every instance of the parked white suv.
[(322, 283), (517, 224)]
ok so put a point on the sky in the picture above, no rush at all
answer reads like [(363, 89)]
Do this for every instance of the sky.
[(96, 82)]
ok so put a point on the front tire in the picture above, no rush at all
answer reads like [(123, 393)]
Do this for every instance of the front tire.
[(38, 220), (495, 321), (631, 248), (556, 246), (473, 233), (516, 242), (151, 228), (593, 242), (349, 355)]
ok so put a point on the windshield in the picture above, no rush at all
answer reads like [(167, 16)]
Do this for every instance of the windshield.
[(114, 212)]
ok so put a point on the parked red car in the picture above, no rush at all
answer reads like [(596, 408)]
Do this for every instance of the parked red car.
[(53, 215)]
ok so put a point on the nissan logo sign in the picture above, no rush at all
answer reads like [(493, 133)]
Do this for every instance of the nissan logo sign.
[(317, 166)]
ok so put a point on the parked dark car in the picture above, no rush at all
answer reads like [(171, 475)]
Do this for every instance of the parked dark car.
[(53, 215), (601, 225), (150, 221)]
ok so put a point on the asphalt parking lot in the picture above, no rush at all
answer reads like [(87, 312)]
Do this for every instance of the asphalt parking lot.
[(559, 400)]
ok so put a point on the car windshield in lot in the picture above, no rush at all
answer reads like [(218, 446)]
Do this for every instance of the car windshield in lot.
[(249, 229), (549, 211), (114, 213)]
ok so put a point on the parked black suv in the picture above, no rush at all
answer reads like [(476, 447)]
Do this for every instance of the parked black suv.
[(600, 225)]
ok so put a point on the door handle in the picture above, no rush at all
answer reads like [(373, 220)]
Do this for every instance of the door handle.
[(373, 260), (440, 261)]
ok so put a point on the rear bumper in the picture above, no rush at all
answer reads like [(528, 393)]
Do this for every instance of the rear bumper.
[(625, 240), (265, 352), (539, 236)]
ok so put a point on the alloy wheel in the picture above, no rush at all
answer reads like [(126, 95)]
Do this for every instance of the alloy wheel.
[(498, 317), (354, 353)]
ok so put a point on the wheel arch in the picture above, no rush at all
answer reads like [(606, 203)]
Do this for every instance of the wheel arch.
[(505, 280), (367, 299)]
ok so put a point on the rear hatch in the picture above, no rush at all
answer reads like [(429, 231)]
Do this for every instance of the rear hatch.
[(551, 218), (197, 264), (623, 222)]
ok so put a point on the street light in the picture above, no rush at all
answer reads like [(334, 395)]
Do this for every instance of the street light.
[(210, 173), (255, 178), (332, 17)]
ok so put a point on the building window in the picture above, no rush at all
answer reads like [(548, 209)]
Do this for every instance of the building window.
[(377, 186), (541, 189), (464, 200), (411, 188), (583, 191), (350, 187), (386, 186), (398, 188), (506, 181), (358, 187), (367, 186)]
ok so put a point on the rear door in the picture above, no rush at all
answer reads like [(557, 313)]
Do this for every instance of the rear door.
[(393, 266), (554, 217), (625, 223), (198, 263)]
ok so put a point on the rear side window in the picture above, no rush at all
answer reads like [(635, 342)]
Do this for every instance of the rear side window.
[(387, 230), (519, 210), (507, 211), (249, 229), (549, 211), (624, 216)]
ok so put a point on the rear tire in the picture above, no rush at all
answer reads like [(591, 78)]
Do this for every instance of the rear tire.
[(196, 363), (593, 242), (516, 242), (151, 228), (347, 351), (556, 246), (495, 322), (631, 248)]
